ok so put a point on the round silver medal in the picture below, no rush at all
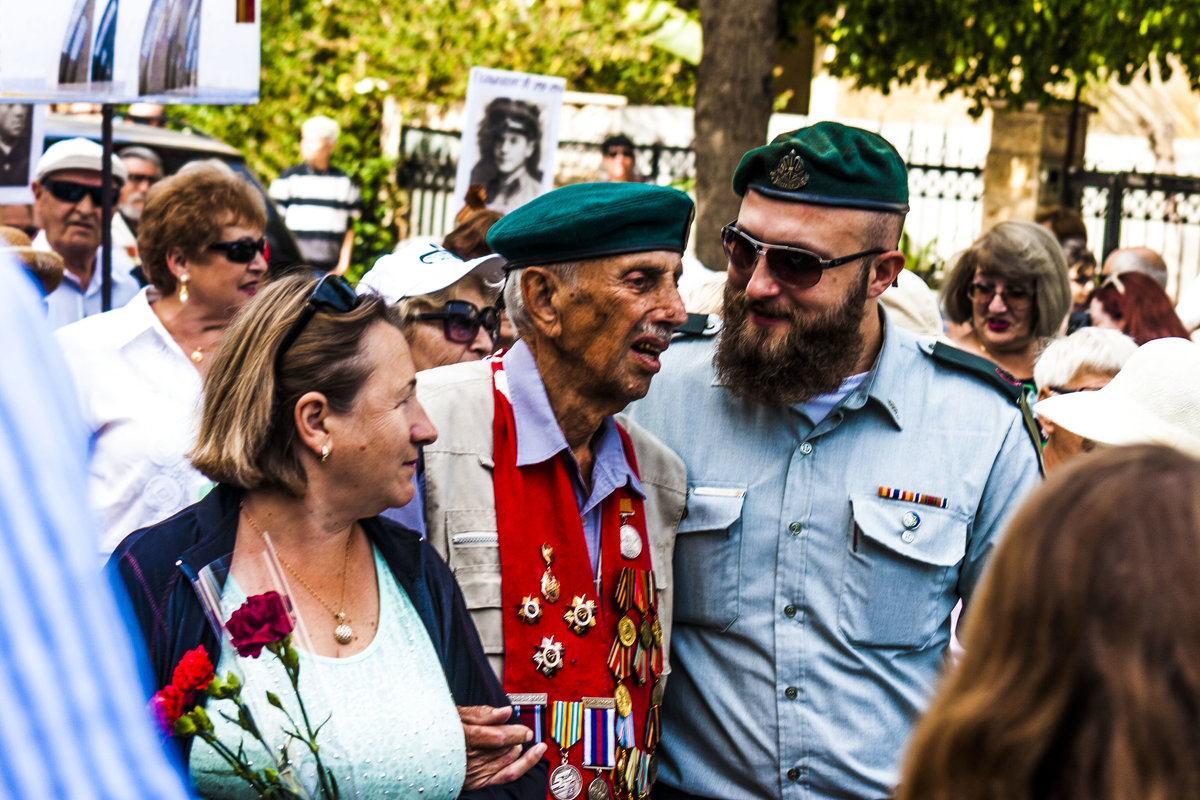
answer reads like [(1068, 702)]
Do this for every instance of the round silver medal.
[(565, 782), (631, 542), (598, 790)]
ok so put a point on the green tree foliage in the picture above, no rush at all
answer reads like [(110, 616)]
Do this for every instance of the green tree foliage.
[(1011, 51), (343, 58)]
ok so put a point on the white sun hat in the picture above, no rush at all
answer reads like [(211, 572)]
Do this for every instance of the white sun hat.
[(422, 266), (1154, 399)]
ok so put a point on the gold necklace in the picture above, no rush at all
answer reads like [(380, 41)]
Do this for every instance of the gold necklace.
[(343, 633)]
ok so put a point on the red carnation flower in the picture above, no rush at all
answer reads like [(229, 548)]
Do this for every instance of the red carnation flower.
[(167, 706), (194, 671), (262, 619)]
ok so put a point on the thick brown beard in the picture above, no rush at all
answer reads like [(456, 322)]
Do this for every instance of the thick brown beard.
[(817, 353)]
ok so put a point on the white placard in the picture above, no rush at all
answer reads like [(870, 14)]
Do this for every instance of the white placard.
[(510, 135), (125, 51)]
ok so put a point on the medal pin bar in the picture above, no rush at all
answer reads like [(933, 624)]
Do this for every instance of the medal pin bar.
[(566, 728), (599, 744), (530, 710)]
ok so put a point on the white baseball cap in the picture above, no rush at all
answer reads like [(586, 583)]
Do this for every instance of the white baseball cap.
[(422, 266), (1154, 399), (77, 154)]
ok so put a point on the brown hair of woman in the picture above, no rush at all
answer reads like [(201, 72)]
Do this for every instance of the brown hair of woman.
[(1081, 678)]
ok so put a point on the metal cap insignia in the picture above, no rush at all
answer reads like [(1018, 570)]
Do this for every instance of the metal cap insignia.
[(790, 173)]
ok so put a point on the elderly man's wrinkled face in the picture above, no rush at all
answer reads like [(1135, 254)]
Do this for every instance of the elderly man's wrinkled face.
[(73, 227), (142, 175), (617, 318)]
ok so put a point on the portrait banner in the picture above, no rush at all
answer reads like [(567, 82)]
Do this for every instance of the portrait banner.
[(510, 136), (20, 139)]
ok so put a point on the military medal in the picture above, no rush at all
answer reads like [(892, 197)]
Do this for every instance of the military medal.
[(620, 657), (624, 706), (598, 789), (631, 540), (530, 711), (599, 746), (550, 588), (581, 615), (549, 657), (566, 727), (530, 610)]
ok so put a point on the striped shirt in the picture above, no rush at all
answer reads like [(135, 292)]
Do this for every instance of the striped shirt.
[(317, 207), (75, 723)]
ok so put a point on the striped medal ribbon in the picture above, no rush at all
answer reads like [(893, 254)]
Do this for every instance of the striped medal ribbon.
[(599, 741), (566, 723)]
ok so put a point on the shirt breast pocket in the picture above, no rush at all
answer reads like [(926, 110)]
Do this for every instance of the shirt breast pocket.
[(708, 556), (473, 554), (902, 560)]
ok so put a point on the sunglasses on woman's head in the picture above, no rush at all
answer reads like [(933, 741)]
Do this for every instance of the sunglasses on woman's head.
[(461, 321), (332, 293), (789, 266), (242, 251)]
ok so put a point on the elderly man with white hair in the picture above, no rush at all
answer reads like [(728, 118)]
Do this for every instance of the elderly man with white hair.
[(319, 201), (67, 194)]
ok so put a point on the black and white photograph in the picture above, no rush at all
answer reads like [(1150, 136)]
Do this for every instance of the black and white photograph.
[(510, 134), (19, 127)]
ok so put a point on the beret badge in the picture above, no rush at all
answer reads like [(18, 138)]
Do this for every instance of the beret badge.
[(790, 173)]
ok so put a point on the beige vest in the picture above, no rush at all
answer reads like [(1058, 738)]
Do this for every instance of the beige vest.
[(460, 508)]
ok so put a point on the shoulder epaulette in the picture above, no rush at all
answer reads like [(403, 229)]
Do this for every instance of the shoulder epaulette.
[(998, 378), (699, 325)]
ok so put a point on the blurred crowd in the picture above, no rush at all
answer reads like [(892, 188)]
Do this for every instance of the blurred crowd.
[(563, 512)]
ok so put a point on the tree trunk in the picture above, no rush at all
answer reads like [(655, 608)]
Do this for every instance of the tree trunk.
[(733, 107)]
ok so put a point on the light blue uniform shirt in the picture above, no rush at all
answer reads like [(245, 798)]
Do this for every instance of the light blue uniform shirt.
[(810, 622), (75, 723), (539, 438)]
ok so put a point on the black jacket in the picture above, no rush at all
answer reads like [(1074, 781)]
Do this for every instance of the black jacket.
[(156, 566)]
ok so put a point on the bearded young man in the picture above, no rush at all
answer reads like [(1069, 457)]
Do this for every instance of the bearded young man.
[(847, 482)]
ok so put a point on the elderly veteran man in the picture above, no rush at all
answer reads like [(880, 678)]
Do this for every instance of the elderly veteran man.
[(557, 519), (847, 482), (66, 192)]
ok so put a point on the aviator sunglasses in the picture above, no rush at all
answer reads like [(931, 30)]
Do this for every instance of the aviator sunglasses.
[(461, 321), (793, 267), (332, 293), (241, 251)]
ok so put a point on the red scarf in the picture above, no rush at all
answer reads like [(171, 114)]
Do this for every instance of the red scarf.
[(536, 506)]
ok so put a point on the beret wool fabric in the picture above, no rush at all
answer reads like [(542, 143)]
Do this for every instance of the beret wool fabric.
[(827, 164), (593, 220)]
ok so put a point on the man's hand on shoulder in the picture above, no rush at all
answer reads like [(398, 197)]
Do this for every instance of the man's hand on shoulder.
[(494, 748)]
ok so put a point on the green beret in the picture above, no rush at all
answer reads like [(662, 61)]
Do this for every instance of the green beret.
[(828, 164), (591, 220)]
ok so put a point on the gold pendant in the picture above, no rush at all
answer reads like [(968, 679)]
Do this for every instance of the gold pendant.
[(343, 632)]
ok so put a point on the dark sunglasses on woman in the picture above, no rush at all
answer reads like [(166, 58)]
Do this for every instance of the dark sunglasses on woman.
[(789, 266), (461, 321), (332, 293), (242, 251)]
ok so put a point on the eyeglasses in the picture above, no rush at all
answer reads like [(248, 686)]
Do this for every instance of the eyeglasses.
[(461, 321), (793, 267), (332, 293), (149, 180), (618, 151), (1064, 390), (242, 251), (72, 192), (1013, 297)]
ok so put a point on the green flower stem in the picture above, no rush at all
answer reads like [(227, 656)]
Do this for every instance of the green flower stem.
[(290, 659)]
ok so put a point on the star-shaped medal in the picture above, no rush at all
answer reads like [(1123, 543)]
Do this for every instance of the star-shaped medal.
[(581, 615), (530, 609), (549, 656)]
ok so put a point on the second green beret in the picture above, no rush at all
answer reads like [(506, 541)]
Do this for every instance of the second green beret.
[(828, 164), (592, 220)]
